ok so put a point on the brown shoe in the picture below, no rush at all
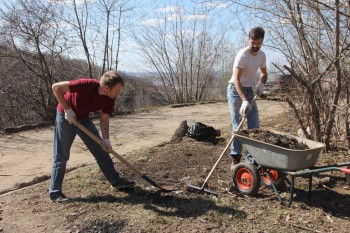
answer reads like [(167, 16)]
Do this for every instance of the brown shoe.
[(234, 161)]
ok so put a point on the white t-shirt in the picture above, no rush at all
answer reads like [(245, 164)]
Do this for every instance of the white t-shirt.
[(250, 65)]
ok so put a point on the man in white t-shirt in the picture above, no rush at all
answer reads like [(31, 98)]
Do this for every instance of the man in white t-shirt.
[(240, 93)]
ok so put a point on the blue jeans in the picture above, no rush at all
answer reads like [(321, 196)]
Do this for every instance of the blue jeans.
[(234, 103), (63, 139)]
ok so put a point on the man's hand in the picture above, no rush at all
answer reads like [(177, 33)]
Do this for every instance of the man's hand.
[(260, 88), (108, 144), (69, 114), (245, 108)]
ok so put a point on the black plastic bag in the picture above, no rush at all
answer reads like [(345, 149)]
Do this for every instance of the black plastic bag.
[(202, 132)]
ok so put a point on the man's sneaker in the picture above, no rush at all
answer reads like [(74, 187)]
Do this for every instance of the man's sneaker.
[(123, 183), (234, 161), (58, 197)]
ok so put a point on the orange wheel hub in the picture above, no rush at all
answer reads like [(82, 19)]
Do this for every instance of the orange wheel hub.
[(244, 179), (273, 175)]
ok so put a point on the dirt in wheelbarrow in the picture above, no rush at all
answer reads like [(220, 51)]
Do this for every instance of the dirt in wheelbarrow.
[(96, 207), (274, 139)]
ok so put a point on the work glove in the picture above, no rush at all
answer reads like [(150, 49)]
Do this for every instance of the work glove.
[(69, 114), (260, 88), (108, 144), (245, 108)]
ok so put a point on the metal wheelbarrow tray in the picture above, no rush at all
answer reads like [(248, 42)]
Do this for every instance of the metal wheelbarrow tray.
[(280, 158)]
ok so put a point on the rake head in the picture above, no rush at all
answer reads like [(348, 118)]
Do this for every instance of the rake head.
[(193, 188)]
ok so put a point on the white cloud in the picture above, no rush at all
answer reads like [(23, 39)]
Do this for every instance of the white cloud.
[(2, 22), (216, 4), (170, 37), (78, 2), (186, 17), (173, 17), (152, 22), (168, 9), (189, 33), (128, 46), (195, 17)]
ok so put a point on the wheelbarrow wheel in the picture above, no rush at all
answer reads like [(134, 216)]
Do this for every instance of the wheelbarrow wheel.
[(276, 177), (246, 178)]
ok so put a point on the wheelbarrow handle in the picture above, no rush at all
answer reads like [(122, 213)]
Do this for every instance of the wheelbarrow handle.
[(345, 170)]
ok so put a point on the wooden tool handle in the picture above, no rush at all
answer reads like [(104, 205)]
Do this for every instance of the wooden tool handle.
[(224, 151), (100, 142)]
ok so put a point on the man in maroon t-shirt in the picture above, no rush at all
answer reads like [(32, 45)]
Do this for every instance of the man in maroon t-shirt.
[(76, 99)]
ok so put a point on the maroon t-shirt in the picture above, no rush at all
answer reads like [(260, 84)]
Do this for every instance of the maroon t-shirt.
[(83, 97)]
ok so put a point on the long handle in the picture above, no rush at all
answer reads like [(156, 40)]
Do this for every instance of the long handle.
[(227, 146), (100, 142), (166, 188)]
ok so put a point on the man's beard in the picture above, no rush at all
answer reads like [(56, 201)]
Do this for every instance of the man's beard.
[(255, 49)]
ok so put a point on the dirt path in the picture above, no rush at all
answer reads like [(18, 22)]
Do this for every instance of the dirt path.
[(26, 157)]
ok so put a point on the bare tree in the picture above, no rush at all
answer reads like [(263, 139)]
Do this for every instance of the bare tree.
[(313, 38), (34, 42), (108, 8), (116, 18), (100, 23), (81, 25), (183, 53)]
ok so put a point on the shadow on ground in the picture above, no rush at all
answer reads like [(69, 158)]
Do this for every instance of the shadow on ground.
[(167, 204)]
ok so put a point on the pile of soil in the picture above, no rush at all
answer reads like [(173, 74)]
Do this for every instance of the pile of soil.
[(275, 139)]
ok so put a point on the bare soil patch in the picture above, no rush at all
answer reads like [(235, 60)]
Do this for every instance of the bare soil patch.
[(274, 139), (96, 207)]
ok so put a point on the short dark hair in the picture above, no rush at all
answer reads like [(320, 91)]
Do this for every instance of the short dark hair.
[(256, 33), (111, 78)]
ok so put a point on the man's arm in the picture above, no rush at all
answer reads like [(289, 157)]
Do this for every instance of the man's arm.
[(263, 76), (237, 73), (59, 89), (104, 125)]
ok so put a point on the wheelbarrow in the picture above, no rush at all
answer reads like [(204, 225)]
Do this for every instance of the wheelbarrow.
[(275, 164)]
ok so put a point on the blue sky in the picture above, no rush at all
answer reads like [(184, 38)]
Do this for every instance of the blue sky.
[(151, 12), (217, 12)]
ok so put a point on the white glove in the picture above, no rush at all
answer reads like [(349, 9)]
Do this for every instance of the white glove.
[(245, 108), (260, 89), (69, 114), (108, 144)]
